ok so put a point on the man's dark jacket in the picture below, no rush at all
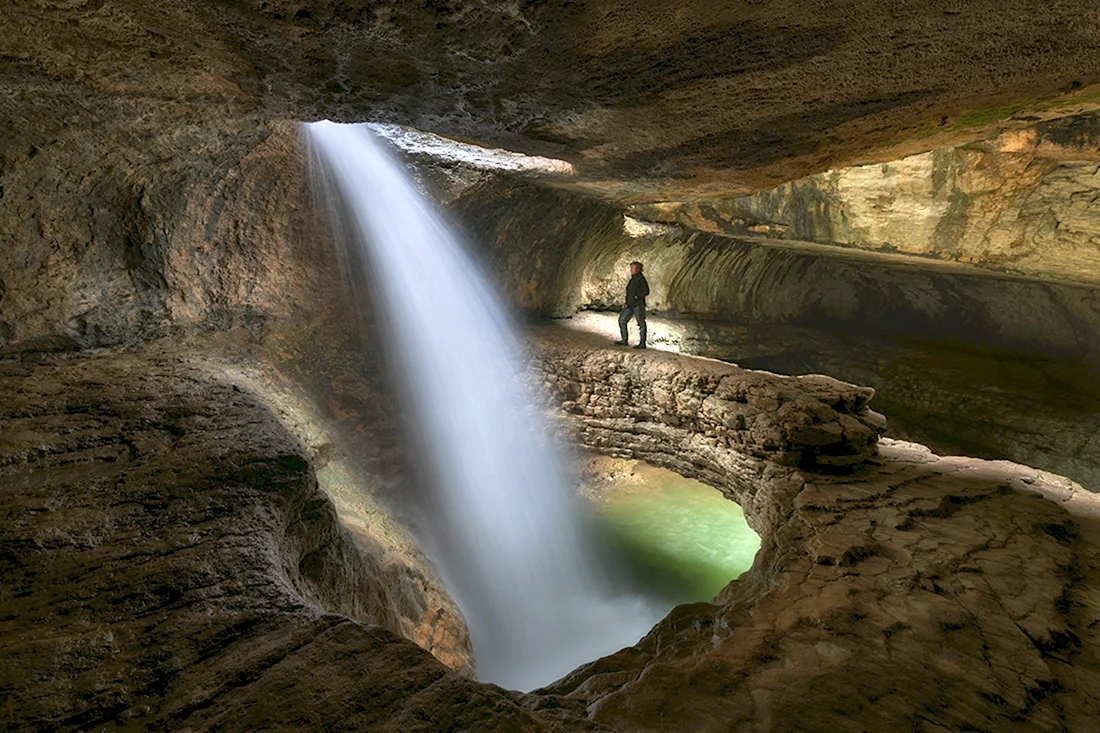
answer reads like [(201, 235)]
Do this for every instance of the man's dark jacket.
[(636, 290)]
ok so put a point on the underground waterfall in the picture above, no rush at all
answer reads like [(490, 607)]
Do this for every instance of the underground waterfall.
[(501, 524)]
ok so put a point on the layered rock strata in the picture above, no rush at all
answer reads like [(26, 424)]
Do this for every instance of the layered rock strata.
[(934, 593), (576, 255), (169, 562), (1022, 202), (970, 361), (814, 421), (1041, 412), (688, 98)]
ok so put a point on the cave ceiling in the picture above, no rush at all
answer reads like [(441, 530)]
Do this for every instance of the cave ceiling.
[(649, 100)]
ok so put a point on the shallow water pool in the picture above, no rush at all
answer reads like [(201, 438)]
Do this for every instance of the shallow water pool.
[(679, 537)]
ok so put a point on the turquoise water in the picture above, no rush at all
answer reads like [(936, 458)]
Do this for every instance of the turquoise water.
[(682, 539)]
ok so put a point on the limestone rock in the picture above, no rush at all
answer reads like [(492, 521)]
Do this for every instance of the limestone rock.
[(805, 421), (687, 98), (124, 241), (578, 260), (968, 361), (169, 562), (958, 588), (949, 590), (1019, 203)]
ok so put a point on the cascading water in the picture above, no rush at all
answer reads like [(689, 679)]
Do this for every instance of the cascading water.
[(505, 531)]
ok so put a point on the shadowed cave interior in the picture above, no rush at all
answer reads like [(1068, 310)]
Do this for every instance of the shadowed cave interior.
[(873, 246)]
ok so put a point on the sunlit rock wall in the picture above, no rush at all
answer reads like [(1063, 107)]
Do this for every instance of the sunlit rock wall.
[(559, 253), (969, 361), (1024, 202)]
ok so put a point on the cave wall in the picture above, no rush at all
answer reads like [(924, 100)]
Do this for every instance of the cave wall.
[(190, 229), (565, 253), (964, 360), (1023, 202), (537, 241), (146, 230), (147, 192), (171, 561), (130, 130)]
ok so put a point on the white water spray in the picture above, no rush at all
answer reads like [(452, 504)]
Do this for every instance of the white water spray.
[(506, 532)]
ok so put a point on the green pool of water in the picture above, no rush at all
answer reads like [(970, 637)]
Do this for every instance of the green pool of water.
[(681, 538)]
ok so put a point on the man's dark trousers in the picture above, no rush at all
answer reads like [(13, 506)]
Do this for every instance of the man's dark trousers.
[(638, 314)]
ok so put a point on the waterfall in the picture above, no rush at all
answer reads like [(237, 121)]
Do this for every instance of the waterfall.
[(505, 530)]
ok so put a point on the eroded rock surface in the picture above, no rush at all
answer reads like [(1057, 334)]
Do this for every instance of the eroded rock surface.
[(1023, 203), (922, 593), (812, 421), (139, 231), (968, 361), (1040, 412), (170, 563), (556, 254), (934, 593), (648, 101)]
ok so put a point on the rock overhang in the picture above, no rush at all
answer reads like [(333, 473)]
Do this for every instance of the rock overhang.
[(649, 101)]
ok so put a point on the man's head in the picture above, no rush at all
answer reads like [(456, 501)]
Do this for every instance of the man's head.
[(635, 267)]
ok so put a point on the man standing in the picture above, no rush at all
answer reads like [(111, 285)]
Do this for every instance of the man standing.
[(636, 290)]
